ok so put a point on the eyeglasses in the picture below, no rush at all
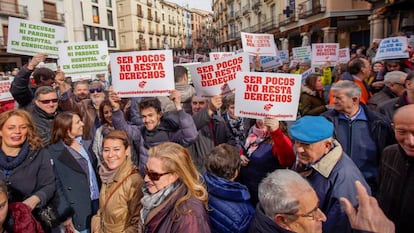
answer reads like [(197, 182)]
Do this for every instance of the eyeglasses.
[(401, 84), (153, 175), (48, 101), (99, 90), (311, 214)]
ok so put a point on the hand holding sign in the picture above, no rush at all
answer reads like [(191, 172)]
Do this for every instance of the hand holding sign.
[(271, 123), (175, 96), (36, 59), (114, 99), (214, 104)]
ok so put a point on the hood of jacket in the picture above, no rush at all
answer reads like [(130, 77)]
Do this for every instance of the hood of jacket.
[(226, 189)]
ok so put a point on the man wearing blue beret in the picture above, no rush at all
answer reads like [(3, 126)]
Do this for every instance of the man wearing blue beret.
[(321, 160)]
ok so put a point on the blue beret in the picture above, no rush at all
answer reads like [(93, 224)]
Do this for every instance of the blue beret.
[(311, 129)]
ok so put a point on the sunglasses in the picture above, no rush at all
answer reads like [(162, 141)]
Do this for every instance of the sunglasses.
[(48, 101), (99, 90), (153, 175), (199, 102)]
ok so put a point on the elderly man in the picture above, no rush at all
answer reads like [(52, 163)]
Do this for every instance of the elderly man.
[(362, 132), (396, 177), (394, 86), (328, 169), (287, 203)]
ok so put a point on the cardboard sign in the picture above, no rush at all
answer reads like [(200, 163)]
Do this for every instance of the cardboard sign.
[(259, 44), (324, 52), (143, 73), (217, 77), (29, 38), (219, 55), (5, 90), (284, 55), (343, 55), (301, 53), (392, 48), (269, 63), (261, 95), (83, 58)]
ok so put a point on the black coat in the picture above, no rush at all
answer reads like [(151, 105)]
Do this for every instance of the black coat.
[(73, 185)]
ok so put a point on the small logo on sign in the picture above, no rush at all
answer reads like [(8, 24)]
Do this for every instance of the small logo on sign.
[(267, 107), (142, 84)]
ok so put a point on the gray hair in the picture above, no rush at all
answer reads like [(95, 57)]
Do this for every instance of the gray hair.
[(352, 89), (96, 82), (43, 90), (394, 77), (279, 190)]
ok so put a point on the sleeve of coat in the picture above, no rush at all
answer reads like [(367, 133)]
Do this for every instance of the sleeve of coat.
[(66, 103), (20, 87), (201, 118), (119, 123), (134, 203), (282, 148), (46, 186), (187, 133), (95, 222)]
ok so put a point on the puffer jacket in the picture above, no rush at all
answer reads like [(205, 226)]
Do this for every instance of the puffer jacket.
[(120, 212), (164, 218), (228, 201)]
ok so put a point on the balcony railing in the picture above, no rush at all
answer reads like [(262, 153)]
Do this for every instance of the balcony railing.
[(141, 29), (151, 31), (269, 25), (283, 20), (309, 8), (149, 3), (139, 14), (171, 21), (53, 17), (231, 16), (246, 9), (158, 32), (150, 17), (157, 19), (11, 9)]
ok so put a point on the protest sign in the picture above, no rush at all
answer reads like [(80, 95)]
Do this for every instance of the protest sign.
[(76, 78), (259, 44), (301, 53), (199, 57), (5, 90), (216, 77), (306, 74), (284, 55), (392, 48), (82, 58), (188, 65), (260, 95), (29, 37), (343, 55), (269, 63), (219, 55), (324, 52), (143, 73)]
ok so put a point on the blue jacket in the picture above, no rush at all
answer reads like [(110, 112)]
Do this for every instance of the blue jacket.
[(231, 210), (332, 177), (263, 224)]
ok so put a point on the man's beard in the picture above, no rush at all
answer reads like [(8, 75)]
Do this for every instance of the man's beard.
[(97, 100)]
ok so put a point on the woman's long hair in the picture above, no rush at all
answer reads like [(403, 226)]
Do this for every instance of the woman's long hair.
[(32, 137), (62, 125), (177, 159)]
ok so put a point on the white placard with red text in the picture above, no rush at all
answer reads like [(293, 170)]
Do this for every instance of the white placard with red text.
[(143, 73), (219, 55), (259, 44), (324, 52), (5, 90), (261, 95), (217, 77), (343, 55)]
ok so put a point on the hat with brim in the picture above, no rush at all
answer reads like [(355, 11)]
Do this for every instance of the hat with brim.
[(311, 129)]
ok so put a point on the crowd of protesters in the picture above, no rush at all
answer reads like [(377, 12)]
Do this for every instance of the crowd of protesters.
[(82, 159)]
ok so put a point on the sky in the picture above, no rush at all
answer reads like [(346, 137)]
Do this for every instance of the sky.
[(199, 4)]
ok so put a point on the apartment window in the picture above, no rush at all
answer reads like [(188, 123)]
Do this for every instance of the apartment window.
[(109, 3), (95, 14), (110, 20), (88, 36), (95, 1), (111, 41)]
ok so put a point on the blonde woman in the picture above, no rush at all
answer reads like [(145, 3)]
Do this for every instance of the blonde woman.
[(174, 198)]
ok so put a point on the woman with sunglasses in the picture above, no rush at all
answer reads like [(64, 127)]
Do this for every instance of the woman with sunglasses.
[(174, 199), (24, 167), (75, 166), (121, 190)]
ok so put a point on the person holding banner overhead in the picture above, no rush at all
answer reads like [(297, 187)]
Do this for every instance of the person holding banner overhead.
[(157, 127), (22, 89)]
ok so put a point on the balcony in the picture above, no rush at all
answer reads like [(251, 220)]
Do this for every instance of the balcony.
[(256, 5), (149, 3), (141, 29), (231, 16), (173, 34), (157, 19), (269, 25), (53, 17), (150, 17), (283, 20), (246, 9), (11, 9), (151, 31), (139, 14), (172, 21), (310, 8), (158, 32)]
